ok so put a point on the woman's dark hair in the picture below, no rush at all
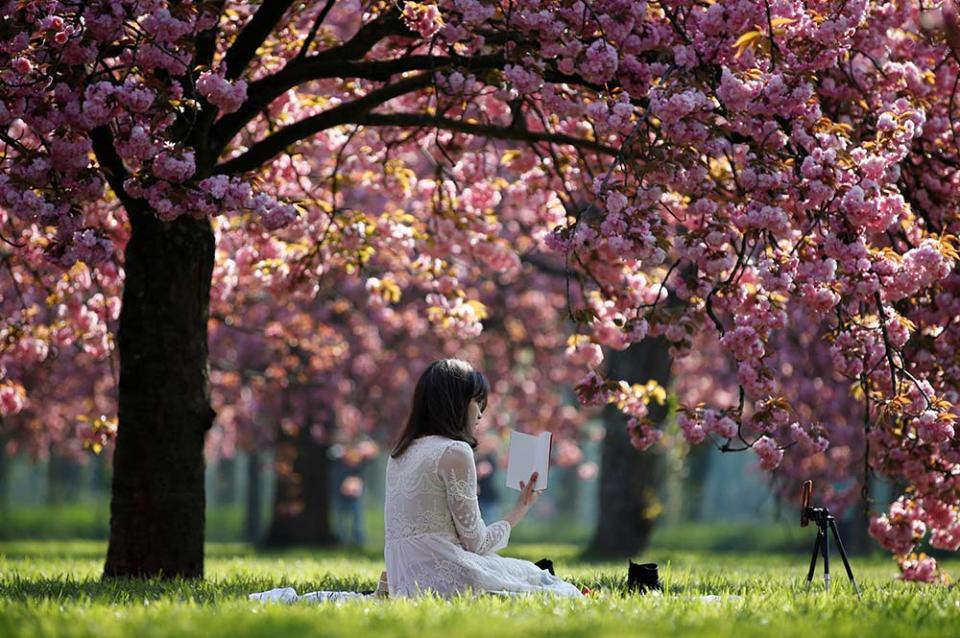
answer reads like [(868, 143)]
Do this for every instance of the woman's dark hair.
[(440, 403)]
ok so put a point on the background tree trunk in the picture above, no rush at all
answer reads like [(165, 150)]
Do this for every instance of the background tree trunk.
[(854, 528), (697, 467), (63, 480), (225, 482), (629, 478), (301, 507), (252, 513), (157, 506), (101, 475), (4, 469)]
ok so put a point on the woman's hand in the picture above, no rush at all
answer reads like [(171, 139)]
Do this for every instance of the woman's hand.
[(525, 501)]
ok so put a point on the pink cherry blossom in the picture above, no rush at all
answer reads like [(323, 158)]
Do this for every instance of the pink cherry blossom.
[(227, 96), (768, 452)]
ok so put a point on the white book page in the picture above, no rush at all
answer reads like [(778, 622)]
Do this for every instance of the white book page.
[(528, 454)]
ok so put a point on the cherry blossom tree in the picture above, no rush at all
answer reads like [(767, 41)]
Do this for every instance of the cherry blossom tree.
[(162, 112), (784, 162), (750, 161)]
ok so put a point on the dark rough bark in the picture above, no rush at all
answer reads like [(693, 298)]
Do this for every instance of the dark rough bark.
[(629, 478), (157, 508), (301, 507), (252, 514)]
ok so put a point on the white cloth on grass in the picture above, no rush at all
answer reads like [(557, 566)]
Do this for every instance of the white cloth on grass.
[(436, 539), (289, 595)]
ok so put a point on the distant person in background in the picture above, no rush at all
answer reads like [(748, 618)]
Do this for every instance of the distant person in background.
[(347, 483), (350, 510)]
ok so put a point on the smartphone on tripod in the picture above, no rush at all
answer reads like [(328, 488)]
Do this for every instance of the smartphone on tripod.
[(805, 495), (826, 524)]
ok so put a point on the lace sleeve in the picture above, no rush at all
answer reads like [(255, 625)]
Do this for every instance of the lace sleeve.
[(458, 472)]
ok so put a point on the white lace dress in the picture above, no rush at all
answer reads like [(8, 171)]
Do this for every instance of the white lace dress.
[(436, 539)]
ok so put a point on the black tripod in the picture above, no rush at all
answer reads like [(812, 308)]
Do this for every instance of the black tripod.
[(821, 516)]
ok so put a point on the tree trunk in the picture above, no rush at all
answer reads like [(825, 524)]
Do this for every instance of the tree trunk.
[(252, 514), (157, 506), (301, 507), (629, 478)]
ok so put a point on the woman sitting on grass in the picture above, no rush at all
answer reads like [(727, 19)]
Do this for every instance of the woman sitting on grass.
[(436, 539)]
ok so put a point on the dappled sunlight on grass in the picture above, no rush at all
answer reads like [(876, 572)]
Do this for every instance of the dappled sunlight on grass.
[(54, 589)]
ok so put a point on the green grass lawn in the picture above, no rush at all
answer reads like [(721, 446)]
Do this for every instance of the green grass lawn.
[(53, 589)]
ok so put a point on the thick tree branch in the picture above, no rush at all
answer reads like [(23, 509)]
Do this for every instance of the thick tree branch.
[(545, 266), (262, 92), (367, 37), (349, 112), (112, 166), (206, 48), (358, 112), (412, 120), (254, 33), (305, 47), (206, 44)]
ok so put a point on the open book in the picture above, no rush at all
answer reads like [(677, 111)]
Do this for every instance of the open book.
[(528, 454)]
